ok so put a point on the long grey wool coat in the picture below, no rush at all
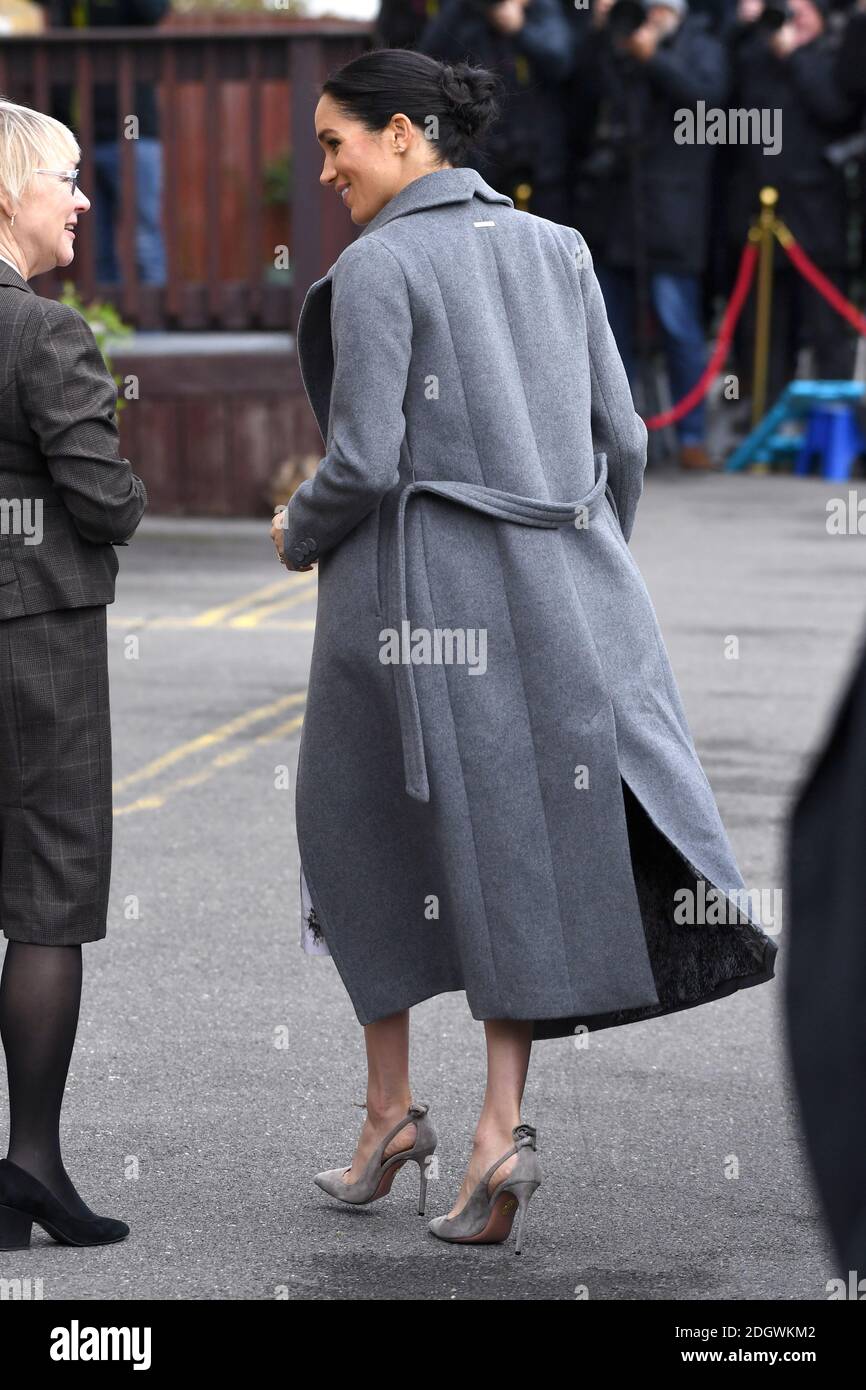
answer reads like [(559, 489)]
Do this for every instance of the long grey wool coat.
[(497, 789)]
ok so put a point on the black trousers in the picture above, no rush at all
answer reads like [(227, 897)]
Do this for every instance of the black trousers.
[(55, 777)]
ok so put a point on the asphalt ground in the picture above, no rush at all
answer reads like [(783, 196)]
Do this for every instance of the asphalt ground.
[(216, 1065)]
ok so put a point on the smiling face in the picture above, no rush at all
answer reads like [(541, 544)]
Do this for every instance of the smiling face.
[(366, 168), (43, 235)]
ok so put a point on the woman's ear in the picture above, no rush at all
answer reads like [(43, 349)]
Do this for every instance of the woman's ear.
[(402, 131)]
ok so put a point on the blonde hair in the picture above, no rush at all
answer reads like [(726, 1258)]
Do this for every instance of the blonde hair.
[(30, 140)]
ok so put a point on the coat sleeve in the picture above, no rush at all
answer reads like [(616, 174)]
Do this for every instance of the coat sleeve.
[(691, 71), (546, 39), (70, 402), (617, 429), (371, 330), (813, 72)]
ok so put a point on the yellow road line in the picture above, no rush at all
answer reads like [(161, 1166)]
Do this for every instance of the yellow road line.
[(209, 740), (235, 625), (254, 618), (230, 614), (211, 616), (230, 758)]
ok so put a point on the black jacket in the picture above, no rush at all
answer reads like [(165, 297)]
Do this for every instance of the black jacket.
[(815, 112), (825, 983), (638, 180), (531, 136)]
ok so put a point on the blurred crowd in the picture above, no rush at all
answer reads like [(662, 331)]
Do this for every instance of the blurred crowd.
[(592, 135)]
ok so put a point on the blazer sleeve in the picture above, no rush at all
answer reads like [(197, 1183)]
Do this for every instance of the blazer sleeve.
[(371, 331), (617, 429), (70, 401)]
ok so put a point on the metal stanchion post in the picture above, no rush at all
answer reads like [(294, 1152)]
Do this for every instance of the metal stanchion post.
[(764, 233)]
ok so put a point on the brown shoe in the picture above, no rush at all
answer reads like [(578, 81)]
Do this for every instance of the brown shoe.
[(695, 456)]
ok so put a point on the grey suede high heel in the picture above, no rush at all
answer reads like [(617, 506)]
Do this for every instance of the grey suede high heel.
[(378, 1173), (487, 1217)]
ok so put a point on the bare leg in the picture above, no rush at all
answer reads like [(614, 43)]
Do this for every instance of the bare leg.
[(389, 1094), (509, 1043)]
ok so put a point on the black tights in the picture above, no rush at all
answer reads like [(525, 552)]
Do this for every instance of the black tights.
[(40, 994)]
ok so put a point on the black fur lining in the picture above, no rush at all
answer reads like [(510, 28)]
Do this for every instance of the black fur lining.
[(691, 964)]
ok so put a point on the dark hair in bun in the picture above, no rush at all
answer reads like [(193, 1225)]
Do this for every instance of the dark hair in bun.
[(464, 100)]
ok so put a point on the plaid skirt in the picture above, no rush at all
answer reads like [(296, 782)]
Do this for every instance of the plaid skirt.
[(55, 777)]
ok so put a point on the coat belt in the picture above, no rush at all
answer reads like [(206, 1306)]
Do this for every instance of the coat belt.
[(504, 506)]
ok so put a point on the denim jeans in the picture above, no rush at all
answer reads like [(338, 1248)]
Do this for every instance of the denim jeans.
[(676, 300), (149, 244)]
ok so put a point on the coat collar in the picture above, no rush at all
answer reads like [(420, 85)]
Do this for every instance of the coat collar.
[(433, 190), (10, 276), (313, 339)]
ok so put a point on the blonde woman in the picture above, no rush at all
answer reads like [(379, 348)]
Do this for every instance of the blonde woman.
[(68, 498)]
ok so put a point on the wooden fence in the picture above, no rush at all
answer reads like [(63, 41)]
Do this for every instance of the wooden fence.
[(247, 226)]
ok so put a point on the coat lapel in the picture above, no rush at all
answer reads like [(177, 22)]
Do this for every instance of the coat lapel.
[(314, 350), (313, 342)]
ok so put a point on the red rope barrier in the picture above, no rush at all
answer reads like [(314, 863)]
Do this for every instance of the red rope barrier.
[(733, 309), (810, 271)]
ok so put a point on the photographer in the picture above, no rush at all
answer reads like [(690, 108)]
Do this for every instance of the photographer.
[(529, 44), (783, 58), (642, 197)]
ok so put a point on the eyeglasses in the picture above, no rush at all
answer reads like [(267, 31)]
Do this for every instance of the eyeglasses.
[(70, 176)]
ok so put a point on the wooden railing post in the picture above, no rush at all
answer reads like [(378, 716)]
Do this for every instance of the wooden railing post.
[(307, 211)]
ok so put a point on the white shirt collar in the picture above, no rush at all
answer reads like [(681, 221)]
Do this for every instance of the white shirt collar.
[(12, 263)]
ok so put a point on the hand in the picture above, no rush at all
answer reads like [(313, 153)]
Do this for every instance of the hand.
[(749, 10), (643, 43), (278, 536), (507, 16), (785, 40), (602, 8)]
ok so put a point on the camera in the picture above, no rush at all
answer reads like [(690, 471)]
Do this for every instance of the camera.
[(625, 18), (774, 14)]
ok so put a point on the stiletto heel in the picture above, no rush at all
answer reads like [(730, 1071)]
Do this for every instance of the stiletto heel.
[(424, 1161), (487, 1217), (379, 1173), (15, 1228), (522, 1191)]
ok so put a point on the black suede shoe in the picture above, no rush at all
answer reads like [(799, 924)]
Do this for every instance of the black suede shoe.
[(24, 1199)]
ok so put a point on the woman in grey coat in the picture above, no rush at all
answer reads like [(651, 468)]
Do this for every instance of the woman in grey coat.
[(497, 788)]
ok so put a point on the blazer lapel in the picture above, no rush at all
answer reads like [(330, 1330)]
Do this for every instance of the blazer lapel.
[(10, 276)]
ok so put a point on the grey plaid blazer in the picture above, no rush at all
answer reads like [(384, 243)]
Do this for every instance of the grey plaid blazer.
[(58, 447)]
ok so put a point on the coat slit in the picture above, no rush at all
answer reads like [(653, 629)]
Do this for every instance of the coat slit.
[(691, 964)]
